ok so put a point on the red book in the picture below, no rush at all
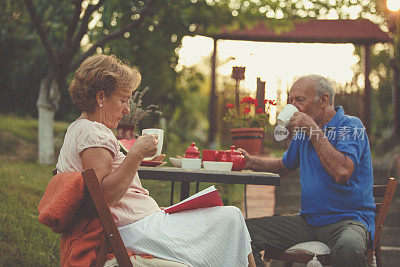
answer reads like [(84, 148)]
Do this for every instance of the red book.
[(208, 197)]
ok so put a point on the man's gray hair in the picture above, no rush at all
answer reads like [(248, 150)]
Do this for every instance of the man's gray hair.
[(322, 86)]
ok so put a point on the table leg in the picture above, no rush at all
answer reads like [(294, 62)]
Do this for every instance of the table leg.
[(172, 193), (185, 190), (245, 201)]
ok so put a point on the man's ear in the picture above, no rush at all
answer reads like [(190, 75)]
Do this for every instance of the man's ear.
[(324, 100)]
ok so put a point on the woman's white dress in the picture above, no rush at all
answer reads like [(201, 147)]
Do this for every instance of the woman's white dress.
[(215, 236)]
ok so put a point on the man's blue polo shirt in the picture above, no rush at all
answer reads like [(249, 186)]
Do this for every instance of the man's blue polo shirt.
[(323, 201)]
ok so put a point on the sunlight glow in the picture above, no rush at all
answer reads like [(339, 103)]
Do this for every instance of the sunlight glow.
[(393, 5), (271, 61), (278, 64)]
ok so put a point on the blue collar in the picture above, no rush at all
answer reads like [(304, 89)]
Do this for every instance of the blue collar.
[(336, 118)]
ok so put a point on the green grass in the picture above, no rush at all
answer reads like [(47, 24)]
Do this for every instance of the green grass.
[(26, 128), (18, 138), (23, 240)]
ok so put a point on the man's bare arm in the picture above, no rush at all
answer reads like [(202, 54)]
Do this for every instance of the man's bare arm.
[(337, 164), (264, 164)]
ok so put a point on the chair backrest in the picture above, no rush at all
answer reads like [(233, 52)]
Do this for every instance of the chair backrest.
[(383, 195), (111, 236)]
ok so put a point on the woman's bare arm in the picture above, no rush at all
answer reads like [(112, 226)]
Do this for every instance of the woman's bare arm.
[(116, 183)]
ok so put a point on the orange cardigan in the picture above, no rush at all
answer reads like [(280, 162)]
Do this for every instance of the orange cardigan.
[(81, 237), (80, 246)]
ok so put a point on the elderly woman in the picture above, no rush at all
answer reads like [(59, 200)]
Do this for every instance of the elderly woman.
[(214, 236)]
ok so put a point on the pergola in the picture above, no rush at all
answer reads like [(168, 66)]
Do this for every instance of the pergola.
[(360, 32)]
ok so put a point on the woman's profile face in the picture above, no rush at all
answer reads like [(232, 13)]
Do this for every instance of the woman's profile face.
[(114, 107)]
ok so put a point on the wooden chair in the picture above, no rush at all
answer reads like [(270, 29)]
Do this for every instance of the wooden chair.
[(96, 199), (383, 195), (111, 234)]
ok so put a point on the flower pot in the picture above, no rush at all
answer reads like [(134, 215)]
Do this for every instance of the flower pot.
[(250, 139)]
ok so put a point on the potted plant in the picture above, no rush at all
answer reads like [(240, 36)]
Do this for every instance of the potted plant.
[(129, 123), (249, 123)]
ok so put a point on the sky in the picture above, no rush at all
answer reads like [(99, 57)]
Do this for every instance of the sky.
[(272, 62)]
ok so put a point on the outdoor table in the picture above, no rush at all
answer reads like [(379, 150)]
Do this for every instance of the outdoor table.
[(186, 176)]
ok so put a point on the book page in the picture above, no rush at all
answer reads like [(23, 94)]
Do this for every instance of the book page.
[(202, 192)]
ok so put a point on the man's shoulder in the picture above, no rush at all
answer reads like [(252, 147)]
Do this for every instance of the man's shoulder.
[(352, 121)]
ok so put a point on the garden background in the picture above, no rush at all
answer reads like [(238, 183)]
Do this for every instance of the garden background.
[(43, 41)]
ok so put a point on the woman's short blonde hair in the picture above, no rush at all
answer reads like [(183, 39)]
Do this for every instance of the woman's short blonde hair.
[(101, 72)]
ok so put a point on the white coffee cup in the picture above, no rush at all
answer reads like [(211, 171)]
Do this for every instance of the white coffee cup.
[(160, 135), (285, 115)]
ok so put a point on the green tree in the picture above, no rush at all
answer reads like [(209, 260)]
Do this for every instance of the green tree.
[(19, 51), (146, 32), (70, 31)]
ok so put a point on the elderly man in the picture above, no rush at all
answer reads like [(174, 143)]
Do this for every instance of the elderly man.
[(337, 205)]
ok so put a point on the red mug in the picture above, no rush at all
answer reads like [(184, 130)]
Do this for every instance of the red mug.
[(209, 155), (219, 156)]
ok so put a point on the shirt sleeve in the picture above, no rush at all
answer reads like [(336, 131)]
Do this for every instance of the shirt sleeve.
[(95, 134), (352, 140), (291, 157)]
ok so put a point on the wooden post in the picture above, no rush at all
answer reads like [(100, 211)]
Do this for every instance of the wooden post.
[(396, 99), (237, 93), (279, 103), (396, 75), (365, 52), (260, 93), (237, 75), (212, 115)]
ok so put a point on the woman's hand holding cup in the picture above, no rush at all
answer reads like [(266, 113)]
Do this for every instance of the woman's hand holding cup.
[(145, 145), (160, 134)]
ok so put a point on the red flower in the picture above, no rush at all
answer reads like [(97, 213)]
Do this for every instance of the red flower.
[(246, 111), (270, 102), (259, 110), (255, 102), (248, 100), (229, 105)]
